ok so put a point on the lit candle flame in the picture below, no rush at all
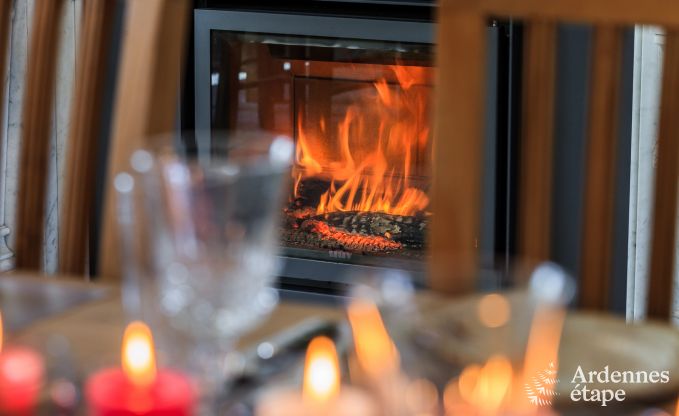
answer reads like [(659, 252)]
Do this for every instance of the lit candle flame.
[(485, 388), (321, 371), (375, 351), (138, 355)]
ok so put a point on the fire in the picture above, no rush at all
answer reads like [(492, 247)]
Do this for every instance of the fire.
[(374, 151), (482, 388), (321, 371), (365, 243), (375, 351), (138, 356)]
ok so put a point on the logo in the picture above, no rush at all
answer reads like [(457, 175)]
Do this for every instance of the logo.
[(540, 390), (600, 386), (337, 254), (604, 385)]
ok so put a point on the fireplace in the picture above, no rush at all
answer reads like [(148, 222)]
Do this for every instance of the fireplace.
[(352, 84)]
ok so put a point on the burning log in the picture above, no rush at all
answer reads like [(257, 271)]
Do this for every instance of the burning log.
[(319, 234), (351, 241), (405, 229), (309, 191)]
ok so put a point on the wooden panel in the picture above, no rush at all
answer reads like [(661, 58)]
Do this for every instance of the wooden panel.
[(37, 116), (64, 94), (147, 96), (622, 12), (458, 144), (667, 171), (86, 114), (597, 244), (537, 141)]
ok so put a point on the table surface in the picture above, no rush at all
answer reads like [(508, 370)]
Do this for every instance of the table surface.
[(93, 329), (90, 318)]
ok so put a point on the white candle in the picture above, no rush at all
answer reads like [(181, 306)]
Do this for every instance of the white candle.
[(322, 394)]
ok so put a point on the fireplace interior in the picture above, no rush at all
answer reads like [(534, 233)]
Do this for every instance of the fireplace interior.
[(359, 114), (361, 169)]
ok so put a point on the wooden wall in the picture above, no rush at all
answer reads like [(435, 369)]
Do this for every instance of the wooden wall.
[(10, 123)]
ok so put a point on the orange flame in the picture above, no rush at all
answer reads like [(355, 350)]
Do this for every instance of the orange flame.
[(321, 372), (484, 388), (376, 148), (375, 351), (138, 356)]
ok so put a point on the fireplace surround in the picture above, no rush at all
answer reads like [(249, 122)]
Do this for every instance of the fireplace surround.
[(351, 82)]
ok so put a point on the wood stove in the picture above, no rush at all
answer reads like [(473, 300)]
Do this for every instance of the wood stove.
[(351, 82)]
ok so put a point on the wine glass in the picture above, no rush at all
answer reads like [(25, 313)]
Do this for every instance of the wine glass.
[(199, 238)]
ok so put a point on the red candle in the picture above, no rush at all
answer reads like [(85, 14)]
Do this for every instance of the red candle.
[(138, 388), (22, 372)]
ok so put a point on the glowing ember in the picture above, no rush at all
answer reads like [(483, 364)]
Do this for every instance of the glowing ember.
[(372, 154), (352, 241)]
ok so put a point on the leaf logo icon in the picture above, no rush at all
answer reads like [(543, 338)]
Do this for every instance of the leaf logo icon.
[(540, 389)]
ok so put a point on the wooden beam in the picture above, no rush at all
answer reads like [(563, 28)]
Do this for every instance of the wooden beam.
[(597, 235), (458, 145), (537, 142), (86, 115), (618, 12), (663, 241), (146, 103), (37, 116)]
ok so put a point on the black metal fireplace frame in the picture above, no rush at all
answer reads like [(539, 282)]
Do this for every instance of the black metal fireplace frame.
[(398, 21)]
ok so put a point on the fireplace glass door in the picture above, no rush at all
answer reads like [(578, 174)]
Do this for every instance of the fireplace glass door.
[(359, 114)]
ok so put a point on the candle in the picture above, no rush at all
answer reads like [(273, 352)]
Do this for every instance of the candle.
[(322, 394), (22, 372), (138, 388), (377, 361)]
